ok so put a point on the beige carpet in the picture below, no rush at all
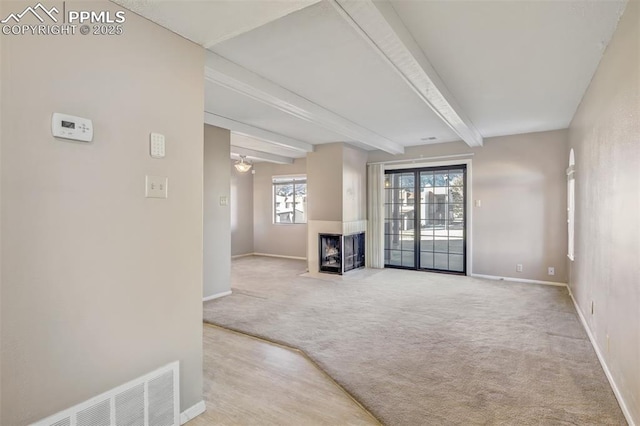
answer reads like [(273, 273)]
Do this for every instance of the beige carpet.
[(429, 349)]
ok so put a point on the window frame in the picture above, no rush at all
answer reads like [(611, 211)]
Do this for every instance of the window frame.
[(571, 207), (293, 180)]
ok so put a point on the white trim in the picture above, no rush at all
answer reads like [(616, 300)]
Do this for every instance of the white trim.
[(238, 256), (607, 372), (192, 412), (413, 160), (415, 164), (571, 171), (256, 132), (216, 296), (571, 207), (272, 255), (259, 155), (519, 280), (281, 256), (296, 176), (227, 74)]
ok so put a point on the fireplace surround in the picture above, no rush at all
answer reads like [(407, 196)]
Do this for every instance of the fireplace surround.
[(341, 253)]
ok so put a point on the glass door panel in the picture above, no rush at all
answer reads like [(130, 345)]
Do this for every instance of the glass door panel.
[(400, 218), (442, 243)]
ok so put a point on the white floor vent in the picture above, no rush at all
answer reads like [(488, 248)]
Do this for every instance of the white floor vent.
[(150, 400)]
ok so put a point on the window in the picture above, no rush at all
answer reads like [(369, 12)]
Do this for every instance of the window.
[(290, 199), (571, 205)]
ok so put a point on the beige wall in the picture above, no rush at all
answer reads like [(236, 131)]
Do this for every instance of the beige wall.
[(336, 185), (2, 8), (605, 135), (99, 284), (520, 181), (324, 175), (354, 182), (1, 96), (270, 238), (217, 217), (241, 212)]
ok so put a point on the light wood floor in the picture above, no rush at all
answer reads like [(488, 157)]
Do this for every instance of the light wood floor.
[(248, 381)]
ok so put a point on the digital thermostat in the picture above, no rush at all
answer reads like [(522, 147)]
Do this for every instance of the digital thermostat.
[(70, 127)]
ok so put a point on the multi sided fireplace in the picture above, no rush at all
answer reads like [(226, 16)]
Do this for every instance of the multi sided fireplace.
[(341, 253)]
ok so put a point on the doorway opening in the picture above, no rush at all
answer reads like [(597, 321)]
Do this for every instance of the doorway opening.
[(425, 219)]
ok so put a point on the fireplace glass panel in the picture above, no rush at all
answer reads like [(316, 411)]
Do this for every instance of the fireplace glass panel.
[(354, 251), (330, 253), (338, 254)]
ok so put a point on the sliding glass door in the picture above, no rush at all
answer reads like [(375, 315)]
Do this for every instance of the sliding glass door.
[(425, 220)]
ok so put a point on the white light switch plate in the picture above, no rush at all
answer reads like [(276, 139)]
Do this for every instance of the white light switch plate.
[(156, 145), (224, 201), (156, 187)]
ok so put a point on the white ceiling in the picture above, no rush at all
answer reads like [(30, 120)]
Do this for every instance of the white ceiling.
[(227, 103), (308, 72), (514, 66), (329, 64), (209, 22)]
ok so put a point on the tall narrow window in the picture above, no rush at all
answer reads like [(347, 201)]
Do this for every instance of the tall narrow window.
[(571, 205), (290, 199)]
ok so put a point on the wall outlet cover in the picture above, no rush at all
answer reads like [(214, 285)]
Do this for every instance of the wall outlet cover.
[(156, 187)]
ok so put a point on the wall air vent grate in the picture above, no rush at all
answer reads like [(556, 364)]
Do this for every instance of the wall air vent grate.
[(130, 406), (161, 411), (150, 400), (96, 415)]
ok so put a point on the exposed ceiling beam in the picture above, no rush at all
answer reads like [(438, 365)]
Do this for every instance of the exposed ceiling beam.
[(259, 155), (245, 129), (382, 28), (221, 71)]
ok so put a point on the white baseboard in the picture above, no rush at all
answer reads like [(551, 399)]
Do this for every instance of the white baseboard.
[(192, 412), (607, 372), (519, 280), (238, 256), (280, 256), (216, 296)]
